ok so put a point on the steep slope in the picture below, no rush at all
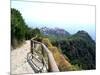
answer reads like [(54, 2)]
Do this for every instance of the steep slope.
[(80, 49), (62, 63)]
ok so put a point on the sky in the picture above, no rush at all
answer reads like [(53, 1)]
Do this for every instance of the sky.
[(70, 17)]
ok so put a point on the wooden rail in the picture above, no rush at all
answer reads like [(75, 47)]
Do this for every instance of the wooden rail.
[(47, 56), (51, 61)]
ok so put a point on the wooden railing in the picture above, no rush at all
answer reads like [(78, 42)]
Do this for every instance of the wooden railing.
[(40, 58)]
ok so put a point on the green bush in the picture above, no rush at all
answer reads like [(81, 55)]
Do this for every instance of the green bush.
[(19, 30)]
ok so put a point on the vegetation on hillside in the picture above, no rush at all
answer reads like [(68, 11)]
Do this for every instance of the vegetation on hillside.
[(62, 63), (19, 30), (80, 49)]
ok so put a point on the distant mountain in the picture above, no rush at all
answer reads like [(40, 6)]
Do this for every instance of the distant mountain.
[(54, 31), (80, 49)]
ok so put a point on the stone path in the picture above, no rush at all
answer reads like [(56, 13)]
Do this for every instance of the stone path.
[(19, 62)]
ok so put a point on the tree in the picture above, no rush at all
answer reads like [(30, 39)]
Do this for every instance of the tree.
[(18, 27), (19, 30)]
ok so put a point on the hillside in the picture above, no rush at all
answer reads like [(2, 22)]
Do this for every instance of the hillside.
[(20, 30), (80, 49), (63, 64)]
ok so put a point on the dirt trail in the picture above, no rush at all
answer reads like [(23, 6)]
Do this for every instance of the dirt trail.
[(19, 62)]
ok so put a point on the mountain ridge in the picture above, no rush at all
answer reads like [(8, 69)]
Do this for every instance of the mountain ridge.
[(54, 31)]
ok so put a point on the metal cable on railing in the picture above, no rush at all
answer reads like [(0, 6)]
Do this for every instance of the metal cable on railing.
[(34, 66), (40, 58), (35, 56)]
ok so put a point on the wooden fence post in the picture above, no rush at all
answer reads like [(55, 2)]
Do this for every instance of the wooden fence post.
[(31, 45)]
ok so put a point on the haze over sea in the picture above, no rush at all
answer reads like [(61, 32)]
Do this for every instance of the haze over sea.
[(72, 18)]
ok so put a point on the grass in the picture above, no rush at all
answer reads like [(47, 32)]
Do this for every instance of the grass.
[(62, 63)]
